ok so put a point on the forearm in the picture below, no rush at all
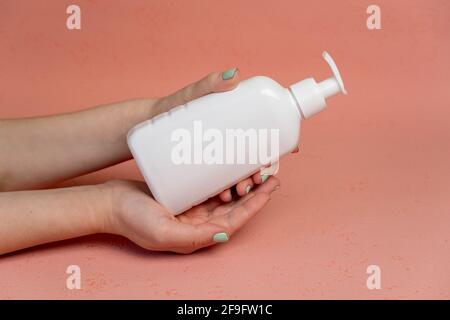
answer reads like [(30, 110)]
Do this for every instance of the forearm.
[(29, 218), (39, 151)]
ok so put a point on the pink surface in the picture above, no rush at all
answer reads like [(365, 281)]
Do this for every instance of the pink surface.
[(369, 186)]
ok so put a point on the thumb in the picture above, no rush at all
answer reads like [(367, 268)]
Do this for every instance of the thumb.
[(186, 238), (213, 82)]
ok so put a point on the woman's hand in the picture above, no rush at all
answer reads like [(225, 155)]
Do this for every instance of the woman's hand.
[(136, 215), (36, 152)]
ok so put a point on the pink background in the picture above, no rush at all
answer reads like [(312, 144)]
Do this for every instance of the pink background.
[(369, 186)]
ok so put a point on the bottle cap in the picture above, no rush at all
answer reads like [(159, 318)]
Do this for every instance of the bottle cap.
[(311, 95)]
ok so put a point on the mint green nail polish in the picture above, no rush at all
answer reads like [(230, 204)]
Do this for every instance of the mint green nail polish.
[(264, 177), (247, 190), (227, 75), (220, 237)]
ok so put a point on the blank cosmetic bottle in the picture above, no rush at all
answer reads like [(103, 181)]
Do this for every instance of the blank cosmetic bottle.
[(196, 150)]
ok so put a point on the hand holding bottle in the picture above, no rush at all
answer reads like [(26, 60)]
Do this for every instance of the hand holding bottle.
[(37, 152), (136, 215)]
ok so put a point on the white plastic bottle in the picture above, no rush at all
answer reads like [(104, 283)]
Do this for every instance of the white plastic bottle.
[(258, 103)]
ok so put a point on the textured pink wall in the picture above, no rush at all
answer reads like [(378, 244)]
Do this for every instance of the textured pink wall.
[(371, 184)]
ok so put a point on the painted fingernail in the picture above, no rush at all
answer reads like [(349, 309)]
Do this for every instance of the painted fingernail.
[(247, 190), (264, 177), (229, 74), (220, 237)]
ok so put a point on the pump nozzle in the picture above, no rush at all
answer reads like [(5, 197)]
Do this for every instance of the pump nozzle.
[(334, 84), (311, 95)]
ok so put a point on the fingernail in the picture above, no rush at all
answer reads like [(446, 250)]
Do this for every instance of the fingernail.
[(229, 74), (277, 187), (247, 190), (220, 237), (264, 177)]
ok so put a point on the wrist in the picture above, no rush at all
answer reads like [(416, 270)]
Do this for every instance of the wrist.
[(100, 207), (108, 207)]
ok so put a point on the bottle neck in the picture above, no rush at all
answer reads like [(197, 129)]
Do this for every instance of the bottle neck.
[(295, 102), (309, 97)]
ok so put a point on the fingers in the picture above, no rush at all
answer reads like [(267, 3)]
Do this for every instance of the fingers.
[(244, 209), (259, 177), (242, 213), (186, 238), (226, 195), (270, 185), (244, 187), (214, 82)]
